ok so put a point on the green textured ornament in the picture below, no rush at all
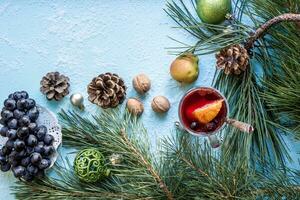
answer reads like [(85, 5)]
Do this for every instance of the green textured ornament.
[(89, 165), (213, 11)]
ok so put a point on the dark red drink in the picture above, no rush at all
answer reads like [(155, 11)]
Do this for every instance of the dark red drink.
[(198, 98)]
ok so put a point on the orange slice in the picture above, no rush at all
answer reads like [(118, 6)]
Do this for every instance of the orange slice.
[(208, 112)]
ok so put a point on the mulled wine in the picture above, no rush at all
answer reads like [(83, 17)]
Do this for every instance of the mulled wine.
[(203, 110)]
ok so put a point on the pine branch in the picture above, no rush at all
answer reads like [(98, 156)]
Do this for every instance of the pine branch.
[(261, 31), (282, 82), (206, 175), (211, 38), (138, 177), (148, 165), (242, 91)]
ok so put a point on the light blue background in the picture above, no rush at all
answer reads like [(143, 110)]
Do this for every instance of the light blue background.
[(82, 39)]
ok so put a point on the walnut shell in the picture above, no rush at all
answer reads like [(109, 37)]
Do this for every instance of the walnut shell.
[(160, 104), (141, 83), (135, 106)]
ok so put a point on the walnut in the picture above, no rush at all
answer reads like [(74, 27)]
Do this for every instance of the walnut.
[(160, 104), (135, 106), (141, 83)]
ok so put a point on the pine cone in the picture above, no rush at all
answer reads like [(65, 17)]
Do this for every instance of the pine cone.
[(107, 90), (55, 86), (233, 59)]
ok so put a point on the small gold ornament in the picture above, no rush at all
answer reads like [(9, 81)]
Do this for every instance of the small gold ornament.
[(77, 100), (141, 83), (160, 104), (116, 159), (135, 106)]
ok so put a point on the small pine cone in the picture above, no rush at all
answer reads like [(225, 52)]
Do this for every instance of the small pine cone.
[(233, 59), (55, 86), (107, 90)]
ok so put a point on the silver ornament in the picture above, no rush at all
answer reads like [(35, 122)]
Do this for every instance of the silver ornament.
[(77, 100)]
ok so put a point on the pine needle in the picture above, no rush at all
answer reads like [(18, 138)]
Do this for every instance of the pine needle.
[(138, 177)]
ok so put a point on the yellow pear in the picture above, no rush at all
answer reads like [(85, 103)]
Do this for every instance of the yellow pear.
[(184, 68)]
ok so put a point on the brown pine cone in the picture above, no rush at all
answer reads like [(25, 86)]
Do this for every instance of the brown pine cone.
[(233, 59), (107, 90), (55, 86)]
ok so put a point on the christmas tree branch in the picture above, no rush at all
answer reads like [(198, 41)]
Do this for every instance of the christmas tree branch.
[(281, 81), (206, 175), (138, 176), (261, 31), (241, 91), (148, 165)]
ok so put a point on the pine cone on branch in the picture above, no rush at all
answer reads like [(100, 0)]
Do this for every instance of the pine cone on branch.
[(55, 86), (107, 90), (233, 59)]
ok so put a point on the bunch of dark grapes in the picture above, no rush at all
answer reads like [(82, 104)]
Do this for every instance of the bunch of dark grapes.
[(29, 147)]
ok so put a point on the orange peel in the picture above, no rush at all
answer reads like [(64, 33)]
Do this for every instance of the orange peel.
[(208, 112)]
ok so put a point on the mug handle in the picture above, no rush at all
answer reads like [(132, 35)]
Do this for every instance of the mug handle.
[(242, 126)]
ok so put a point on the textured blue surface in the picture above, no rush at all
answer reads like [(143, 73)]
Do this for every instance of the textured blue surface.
[(82, 40)]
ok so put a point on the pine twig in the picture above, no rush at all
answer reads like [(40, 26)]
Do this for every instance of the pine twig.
[(161, 183), (261, 31)]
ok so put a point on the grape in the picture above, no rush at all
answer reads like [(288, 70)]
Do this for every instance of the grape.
[(41, 132), (19, 171), (3, 160), (24, 121), (23, 132), (24, 95), (5, 150), (30, 104), (36, 158), (12, 134), (10, 104), (22, 104), (6, 115), (27, 142), (33, 170), (21, 154), (27, 176), (13, 124), (19, 145), (17, 96), (30, 150), (18, 114), (2, 122), (32, 140), (1, 153), (48, 140), (25, 161), (39, 148), (11, 96), (5, 167), (194, 125), (32, 127), (9, 144), (210, 126), (3, 131), (48, 150), (44, 164), (33, 114)]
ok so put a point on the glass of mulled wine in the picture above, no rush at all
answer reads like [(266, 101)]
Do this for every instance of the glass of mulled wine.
[(203, 111)]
